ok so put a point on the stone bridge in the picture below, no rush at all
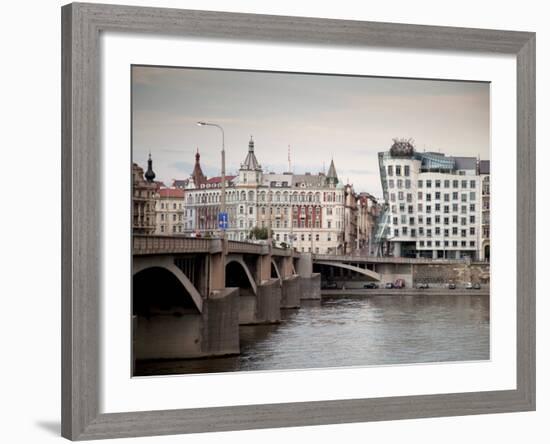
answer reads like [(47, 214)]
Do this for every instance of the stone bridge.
[(355, 270), (190, 295)]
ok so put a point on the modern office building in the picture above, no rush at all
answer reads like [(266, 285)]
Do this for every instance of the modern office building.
[(432, 204)]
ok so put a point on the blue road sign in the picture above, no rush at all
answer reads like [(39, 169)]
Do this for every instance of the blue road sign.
[(223, 221)]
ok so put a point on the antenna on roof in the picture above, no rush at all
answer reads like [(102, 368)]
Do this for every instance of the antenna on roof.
[(289, 170)]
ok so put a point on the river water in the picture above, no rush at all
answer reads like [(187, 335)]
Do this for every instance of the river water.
[(355, 331)]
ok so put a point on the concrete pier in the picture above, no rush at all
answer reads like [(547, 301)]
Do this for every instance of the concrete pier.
[(290, 297), (263, 307), (180, 334), (310, 287)]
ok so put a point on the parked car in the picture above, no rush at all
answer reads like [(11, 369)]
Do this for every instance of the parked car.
[(422, 285), (477, 286), (469, 286), (389, 285), (370, 285), (330, 286), (399, 283), (451, 286)]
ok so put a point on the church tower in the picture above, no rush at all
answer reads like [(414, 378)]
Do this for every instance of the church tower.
[(198, 176), (150, 174)]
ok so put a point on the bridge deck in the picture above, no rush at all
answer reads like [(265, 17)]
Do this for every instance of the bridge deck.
[(156, 244)]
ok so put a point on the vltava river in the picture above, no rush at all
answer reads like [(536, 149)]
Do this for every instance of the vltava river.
[(355, 331)]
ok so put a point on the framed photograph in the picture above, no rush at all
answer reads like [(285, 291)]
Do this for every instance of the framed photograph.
[(278, 221)]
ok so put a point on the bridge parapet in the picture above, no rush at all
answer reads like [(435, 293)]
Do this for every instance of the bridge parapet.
[(385, 260), (142, 245)]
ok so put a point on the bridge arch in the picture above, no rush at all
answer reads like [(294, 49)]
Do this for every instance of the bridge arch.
[(232, 271), (158, 288), (364, 271), (275, 267)]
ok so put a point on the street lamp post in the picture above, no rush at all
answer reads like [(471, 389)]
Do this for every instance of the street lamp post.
[(222, 203)]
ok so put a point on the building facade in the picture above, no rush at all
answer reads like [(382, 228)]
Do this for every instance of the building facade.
[(171, 214), (485, 174), (309, 212), (432, 203), (143, 199)]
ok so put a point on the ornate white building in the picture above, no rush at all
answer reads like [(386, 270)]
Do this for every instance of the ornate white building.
[(433, 203), (305, 211)]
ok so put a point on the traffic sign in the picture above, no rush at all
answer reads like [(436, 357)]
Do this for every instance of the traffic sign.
[(223, 221)]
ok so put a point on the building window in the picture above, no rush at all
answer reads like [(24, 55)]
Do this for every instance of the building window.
[(428, 197), (438, 184), (390, 170), (390, 183), (404, 229), (437, 195), (396, 232), (419, 207), (398, 170), (419, 184), (455, 183), (407, 183), (472, 195), (446, 183), (428, 184), (437, 207), (407, 170), (472, 183)]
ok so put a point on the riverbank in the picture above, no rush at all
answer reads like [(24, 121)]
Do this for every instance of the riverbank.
[(404, 292)]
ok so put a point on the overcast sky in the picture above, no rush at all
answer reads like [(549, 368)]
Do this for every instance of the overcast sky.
[(321, 117)]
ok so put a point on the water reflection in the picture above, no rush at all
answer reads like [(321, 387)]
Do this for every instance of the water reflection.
[(355, 330)]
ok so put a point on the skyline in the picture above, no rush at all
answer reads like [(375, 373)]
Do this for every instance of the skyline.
[(348, 119)]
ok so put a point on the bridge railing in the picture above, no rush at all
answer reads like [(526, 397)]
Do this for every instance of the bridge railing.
[(386, 260), (159, 244), (168, 244)]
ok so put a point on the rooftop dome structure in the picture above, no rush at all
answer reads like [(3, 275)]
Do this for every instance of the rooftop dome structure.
[(402, 148)]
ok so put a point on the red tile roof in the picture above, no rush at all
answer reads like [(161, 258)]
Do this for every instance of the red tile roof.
[(218, 179), (171, 192)]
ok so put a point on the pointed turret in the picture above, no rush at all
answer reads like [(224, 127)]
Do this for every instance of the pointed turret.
[(250, 162), (332, 177), (198, 176), (150, 174)]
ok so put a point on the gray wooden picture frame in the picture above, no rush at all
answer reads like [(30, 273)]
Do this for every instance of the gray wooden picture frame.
[(81, 26)]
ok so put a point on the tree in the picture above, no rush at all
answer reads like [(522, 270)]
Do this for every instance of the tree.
[(258, 233)]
